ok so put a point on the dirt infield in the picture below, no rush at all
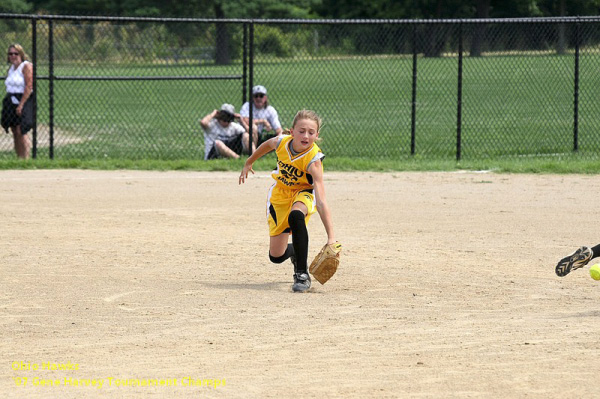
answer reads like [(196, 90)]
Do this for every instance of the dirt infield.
[(158, 284)]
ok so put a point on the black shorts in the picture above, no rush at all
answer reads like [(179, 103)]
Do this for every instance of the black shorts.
[(9, 113), (264, 136), (234, 144)]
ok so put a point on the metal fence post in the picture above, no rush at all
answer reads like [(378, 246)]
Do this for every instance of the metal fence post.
[(51, 86), (414, 93), (250, 85), (34, 94), (459, 93), (576, 91), (244, 62)]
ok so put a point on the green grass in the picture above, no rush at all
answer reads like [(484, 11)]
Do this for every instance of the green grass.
[(563, 165), (515, 109)]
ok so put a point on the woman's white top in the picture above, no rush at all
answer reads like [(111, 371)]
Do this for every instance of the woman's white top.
[(15, 80), (269, 113)]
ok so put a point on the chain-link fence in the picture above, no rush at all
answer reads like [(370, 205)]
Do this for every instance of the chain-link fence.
[(136, 88)]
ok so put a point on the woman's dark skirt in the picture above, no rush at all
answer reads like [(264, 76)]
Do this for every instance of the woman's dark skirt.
[(9, 113)]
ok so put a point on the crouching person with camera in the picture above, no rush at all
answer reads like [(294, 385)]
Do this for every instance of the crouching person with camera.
[(223, 137)]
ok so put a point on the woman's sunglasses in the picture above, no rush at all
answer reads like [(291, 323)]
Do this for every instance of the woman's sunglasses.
[(259, 95), (13, 53)]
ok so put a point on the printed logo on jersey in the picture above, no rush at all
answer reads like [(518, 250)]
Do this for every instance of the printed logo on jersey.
[(289, 174)]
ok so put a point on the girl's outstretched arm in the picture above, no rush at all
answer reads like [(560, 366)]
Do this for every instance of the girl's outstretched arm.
[(316, 170), (262, 149)]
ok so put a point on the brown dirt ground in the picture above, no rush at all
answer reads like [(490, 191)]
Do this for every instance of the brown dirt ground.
[(446, 288)]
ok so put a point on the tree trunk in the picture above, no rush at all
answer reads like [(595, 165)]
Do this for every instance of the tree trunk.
[(436, 37), (222, 51), (483, 11), (560, 46)]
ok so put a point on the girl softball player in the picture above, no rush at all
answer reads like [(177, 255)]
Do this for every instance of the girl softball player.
[(297, 192)]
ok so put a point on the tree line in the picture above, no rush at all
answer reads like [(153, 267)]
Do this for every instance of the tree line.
[(308, 9)]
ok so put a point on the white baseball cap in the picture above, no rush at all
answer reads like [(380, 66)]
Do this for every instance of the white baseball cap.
[(259, 90), (228, 108)]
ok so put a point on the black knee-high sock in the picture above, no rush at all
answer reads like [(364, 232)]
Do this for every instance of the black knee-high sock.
[(289, 251), (299, 239), (596, 251)]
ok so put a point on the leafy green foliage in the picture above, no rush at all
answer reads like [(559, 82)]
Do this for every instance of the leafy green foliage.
[(301, 9), (15, 6)]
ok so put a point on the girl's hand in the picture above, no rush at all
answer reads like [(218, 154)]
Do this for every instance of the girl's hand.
[(19, 110), (244, 175)]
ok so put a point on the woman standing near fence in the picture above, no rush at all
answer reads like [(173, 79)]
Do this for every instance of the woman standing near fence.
[(17, 106)]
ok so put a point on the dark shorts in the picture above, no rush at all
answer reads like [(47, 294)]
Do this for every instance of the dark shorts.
[(264, 136), (9, 113), (234, 144)]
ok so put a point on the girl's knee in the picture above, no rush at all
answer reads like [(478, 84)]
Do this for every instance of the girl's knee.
[(296, 216), (278, 259)]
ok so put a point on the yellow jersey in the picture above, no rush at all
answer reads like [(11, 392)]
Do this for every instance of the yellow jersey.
[(292, 169)]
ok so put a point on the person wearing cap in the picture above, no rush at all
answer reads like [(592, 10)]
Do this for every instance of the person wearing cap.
[(265, 120), (222, 136)]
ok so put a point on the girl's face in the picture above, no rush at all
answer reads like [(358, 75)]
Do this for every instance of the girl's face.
[(304, 134)]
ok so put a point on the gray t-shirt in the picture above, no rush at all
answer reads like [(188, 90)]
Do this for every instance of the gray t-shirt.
[(217, 132), (269, 113)]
